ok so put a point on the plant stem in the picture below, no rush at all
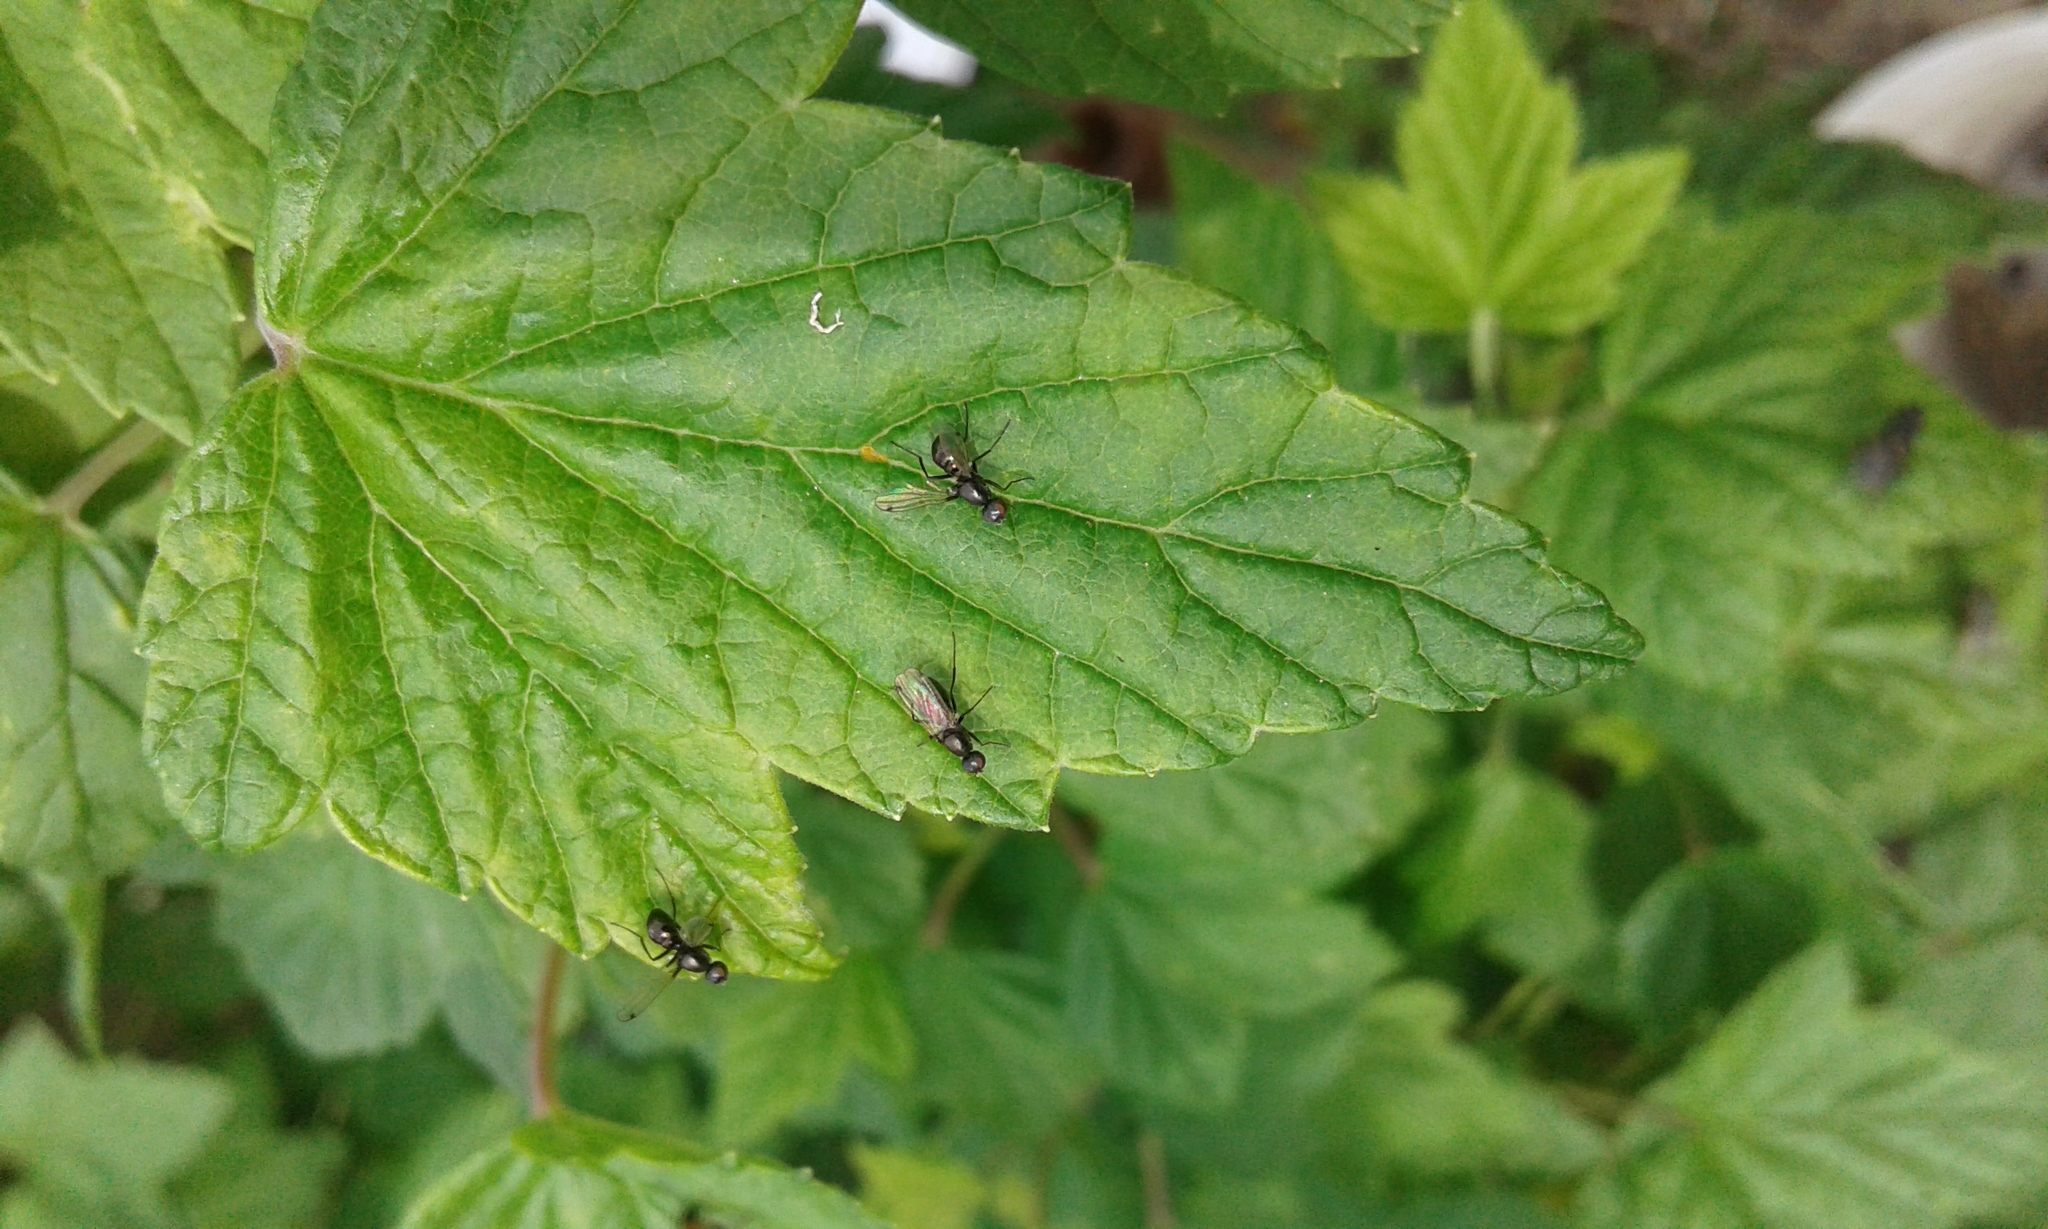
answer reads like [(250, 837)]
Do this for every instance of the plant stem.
[(82, 904), (540, 1047), (947, 899), (110, 458), (1075, 842), (1158, 1194), (1483, 356)]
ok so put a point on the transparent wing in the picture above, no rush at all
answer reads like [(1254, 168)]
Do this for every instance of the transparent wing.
[(645, 999), (926, 704), (906, 497)]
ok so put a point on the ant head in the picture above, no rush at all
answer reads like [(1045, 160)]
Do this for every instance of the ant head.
[(662, 930), (715, 973), (995, 512), (973, 762)]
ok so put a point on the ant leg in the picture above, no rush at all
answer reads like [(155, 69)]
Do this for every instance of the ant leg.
[(919, 458), (992, 443), (1004, 486)]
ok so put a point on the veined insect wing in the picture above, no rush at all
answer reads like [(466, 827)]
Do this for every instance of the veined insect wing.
[(904, 498), (645, 999), (927, 705)]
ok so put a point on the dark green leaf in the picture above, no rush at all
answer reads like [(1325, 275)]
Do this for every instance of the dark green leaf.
[(1805, 1110), (96, 1141), (1192, 54), (1705, 934), (555, 532), (787, 1047), (991, 111), (991, 1041), (1416, 1102), (568, 1169), (1490, 215), (76, 797), (1512, 864), (865, 880)]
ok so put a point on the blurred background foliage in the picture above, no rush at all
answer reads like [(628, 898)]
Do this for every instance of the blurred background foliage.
[(1757, 935)]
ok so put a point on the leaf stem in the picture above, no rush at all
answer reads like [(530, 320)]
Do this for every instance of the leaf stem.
[(110, 458), (82, 904), (541, 1099), (1158, 1193), (1483, 355), (947, 899), (1079, 850)]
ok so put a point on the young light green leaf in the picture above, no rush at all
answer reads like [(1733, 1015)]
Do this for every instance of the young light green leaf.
[(1192, 55), (97, 1141), (1417, 1103), (1490, 214), (1259, 244), (108, 273), (568, 1169), (788, 1047), (554, 533), (1304, 811), (914, 1191), (1805, 1110), (76, 797), (1511, 863), (991, 1042)]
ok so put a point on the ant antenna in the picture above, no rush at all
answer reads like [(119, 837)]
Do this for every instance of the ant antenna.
[(992, 443)]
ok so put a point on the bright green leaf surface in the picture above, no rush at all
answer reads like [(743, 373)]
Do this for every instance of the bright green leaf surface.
[(1490, 214), (96, 1141), (1511, 862), (1417, 1102), (1259, 244), (76, 798), (108, 273), (556, 533), (572, 1170), (1195, 55), (1805, 1110)]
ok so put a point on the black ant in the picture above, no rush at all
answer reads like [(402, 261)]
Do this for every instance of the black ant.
[(959, 476), (931, 706), (682, 948)]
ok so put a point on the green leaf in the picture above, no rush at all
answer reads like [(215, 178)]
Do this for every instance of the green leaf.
[(991, 110), (991, 1040), (253, 1175), (1991, 996), (568, 1169), (1194, 55), (1713, 490), (1306, 811), (199, 77), (787, 1047), (1805, 1110), (865, 881), (108, 273), (1261, 245), (1511, 863), (913, 1191), (555, 533), (1416, 1102), (1704, 934), (1490, 214), (355, 958), (97, 1141), (76, 797)]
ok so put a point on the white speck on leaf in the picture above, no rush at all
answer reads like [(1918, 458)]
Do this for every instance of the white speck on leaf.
[(823, 328)]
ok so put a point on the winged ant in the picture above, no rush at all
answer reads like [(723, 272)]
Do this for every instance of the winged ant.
[(931, 706), (959, 476), (681, 948)]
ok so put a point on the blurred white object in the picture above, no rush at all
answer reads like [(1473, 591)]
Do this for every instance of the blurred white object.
[(1973, 101), (915, 52)]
